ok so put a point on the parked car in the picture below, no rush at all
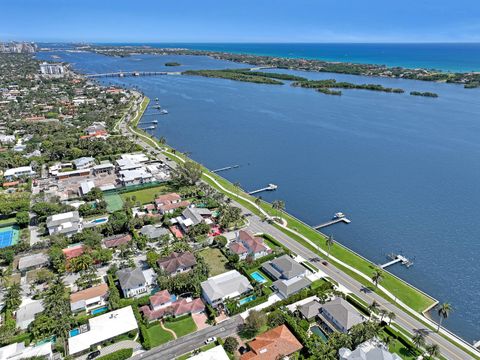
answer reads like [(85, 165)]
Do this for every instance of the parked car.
[(93, 355), (210, 340)]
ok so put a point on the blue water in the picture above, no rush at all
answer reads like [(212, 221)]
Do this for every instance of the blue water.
[(404, 169), (99, 221), (99, 310), (461, 57), (317, 331), (74, 332), (246, 300), (258, 277)]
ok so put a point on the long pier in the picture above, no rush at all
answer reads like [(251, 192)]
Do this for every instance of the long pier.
[(397, 259), (332, 222), (133, 73), (270, 187), (226, 168)]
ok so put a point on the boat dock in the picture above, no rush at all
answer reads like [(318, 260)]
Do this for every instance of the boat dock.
[(270, 187), (332, 222), (152, 127), (149, 122), (133, 73), (226, 168), (397, 258)]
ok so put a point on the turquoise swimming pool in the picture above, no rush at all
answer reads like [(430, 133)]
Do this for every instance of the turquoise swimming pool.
[(74, 332), (246, 300), (258, 277), (317, 331), (99, 310)]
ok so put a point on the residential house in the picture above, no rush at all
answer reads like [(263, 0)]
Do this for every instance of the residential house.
[(135, 177), (272, 345), (89, 299), (339, 315), (163, 304), (290, 276), (34, 261), (19, 172), (103, 328), (73, 251), (153, 232), (310, 310), (224, 286), (85, 162), (168, 203), (193, 216), (132, 282), (86, 187), (26, 313), (103, 167), (176, 263), (68, 223), (117, 240), (95, 127), (18, 351), (372, 349), (247, 245)]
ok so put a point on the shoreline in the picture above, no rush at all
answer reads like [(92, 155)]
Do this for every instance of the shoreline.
[(469, 80)]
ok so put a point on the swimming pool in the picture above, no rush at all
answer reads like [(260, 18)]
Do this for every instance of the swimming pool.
[(317, 331), (258, 277), (74, 332), (99, 221), (99, 310), (9, 235), (246, 300)]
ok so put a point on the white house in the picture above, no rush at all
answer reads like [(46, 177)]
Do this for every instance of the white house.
[(103, 328), (68, 223), (228, 285), (18, 351), (22, 171), (84, 163), (132, 282), (89, 299)]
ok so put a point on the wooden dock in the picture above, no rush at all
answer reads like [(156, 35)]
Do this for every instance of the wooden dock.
[(270, 187), (332, 222), (226, 168), (397, 258)]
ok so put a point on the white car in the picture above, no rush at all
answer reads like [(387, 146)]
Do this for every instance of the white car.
[(210, 340)]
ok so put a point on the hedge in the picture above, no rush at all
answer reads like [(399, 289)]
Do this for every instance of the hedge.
[(178, 318), (117, 355)]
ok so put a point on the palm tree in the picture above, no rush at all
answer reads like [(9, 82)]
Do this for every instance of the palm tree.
[(377, 276), (383, 313), (433, 350), (258, 201), (391, 317), (373, 307), (418, 340), (278, 205), (329, 241), (13, 297), (443, 312)]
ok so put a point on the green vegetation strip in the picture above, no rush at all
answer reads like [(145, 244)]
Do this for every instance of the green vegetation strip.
[(145, 196)]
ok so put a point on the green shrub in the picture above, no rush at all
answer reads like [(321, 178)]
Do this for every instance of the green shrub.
[(117, 355)]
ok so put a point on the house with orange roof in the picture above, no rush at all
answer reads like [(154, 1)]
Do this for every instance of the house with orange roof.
[(168, 203), (73, 251), (89, 299), (272, 345)]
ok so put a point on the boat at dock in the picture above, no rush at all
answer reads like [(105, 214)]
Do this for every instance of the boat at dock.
[(163, 112), (339, 215)]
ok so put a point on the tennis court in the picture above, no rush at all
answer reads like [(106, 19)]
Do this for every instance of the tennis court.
[(114, 201), (9, 236)]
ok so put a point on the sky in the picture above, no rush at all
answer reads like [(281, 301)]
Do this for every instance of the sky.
[(241, 20)]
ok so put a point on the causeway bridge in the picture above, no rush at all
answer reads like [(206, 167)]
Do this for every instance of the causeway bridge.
[(132, 73)]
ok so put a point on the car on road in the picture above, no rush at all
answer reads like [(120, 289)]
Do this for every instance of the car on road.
[(93, 355), (210, 340)]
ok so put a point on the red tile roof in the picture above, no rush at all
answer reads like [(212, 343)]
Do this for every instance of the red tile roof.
[(99, 290), (173, 206), (178, 308), (167, 198), (73, 252), (271, 344), (117, 240), (237, 247), (160, 298)]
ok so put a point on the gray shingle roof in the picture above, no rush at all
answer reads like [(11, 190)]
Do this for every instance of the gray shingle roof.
[(310, 309), (283, 267), (153, 232), (344, 313), (226, 284), (288, 288), (130, 279), (29, 261)]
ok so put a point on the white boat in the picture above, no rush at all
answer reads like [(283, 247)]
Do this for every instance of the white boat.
[(339, 215), (163, 112)]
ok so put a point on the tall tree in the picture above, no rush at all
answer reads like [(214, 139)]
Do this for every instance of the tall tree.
[(433, 350), (377, 276), (278, 205), (329, 241), (418, 340), (443, 311)]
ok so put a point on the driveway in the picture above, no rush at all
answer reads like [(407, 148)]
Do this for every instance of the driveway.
[(125, 344)]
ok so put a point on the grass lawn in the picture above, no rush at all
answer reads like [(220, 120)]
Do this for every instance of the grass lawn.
[(8, 221), (181, 327), (215, 260), (146, 196), (158, 336)]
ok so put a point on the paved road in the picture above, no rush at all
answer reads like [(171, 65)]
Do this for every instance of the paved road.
[(188, 343), (405, 320)]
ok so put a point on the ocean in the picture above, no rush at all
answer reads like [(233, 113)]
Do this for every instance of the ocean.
[(404, 169)]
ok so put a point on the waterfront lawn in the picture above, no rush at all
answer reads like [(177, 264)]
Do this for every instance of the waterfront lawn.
[(404, 292), (158, 336), (145, 196), (215, 259), (181, 327)]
